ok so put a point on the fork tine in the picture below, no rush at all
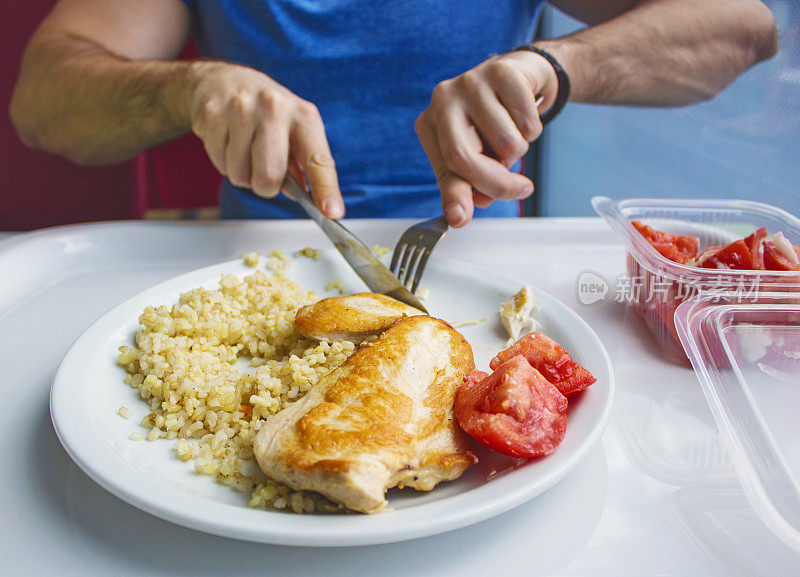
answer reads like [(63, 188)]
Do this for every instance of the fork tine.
[(402, 273), (411, 252), (412, 265), (423, 260), (399, 249)]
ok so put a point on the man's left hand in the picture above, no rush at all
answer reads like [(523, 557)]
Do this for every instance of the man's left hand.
[(479, 124)]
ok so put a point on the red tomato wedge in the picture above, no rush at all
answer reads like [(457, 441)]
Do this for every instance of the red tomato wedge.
[(706, 254), (753, 242), (680, 249), (549, 358), (514, 411), (776, 260), (733, 256)]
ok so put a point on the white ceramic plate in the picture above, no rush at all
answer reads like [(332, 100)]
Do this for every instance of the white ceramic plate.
[(88, 390)]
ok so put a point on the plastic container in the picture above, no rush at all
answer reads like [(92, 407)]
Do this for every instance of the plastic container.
[(656, 286), (747, 358)]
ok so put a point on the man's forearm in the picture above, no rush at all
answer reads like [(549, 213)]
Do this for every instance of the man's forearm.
[(666, 52), (76, 99)]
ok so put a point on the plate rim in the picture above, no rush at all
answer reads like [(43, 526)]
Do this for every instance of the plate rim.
[(347, 530)]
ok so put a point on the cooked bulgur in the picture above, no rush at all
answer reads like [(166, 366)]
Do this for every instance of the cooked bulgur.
[(184, 365), (379, 250), (251, 259), (308, 252), (335, 285), (277, 261)]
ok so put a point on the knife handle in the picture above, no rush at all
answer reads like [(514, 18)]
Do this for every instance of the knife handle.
[(303, 198), (330, 226)]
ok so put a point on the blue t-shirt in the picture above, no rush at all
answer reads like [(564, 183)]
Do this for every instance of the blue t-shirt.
[(370, 68)]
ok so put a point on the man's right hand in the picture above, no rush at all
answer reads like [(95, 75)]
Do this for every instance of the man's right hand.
[(99, 83), (255, 131)]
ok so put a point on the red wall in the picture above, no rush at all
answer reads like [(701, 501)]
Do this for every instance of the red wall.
[(39, 189)]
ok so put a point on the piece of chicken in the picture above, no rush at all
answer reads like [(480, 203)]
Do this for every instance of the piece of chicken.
[(351, 318), (384, 418), (515, 313)]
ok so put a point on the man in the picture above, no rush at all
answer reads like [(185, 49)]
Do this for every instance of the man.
[(291, 85)]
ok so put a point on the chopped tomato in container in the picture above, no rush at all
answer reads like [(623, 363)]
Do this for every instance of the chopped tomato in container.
[(734, 253), (675, 247), (754, 241), (736, 256), (778, 256)]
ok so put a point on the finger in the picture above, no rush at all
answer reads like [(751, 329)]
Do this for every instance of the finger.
[(309, 146), (481, 200), (495, 126), (515, 94), (269, 158), (241, 131), (456, 192), (297, 173), (211, 128), (488, 175)]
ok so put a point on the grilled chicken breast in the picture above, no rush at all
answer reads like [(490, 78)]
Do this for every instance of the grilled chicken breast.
[(382, 419), (351, 318)]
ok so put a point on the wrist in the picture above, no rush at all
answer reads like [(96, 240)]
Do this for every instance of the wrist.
[(565, 52), (180, 87), (556, 89)]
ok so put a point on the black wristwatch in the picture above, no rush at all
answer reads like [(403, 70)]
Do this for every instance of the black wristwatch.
[(563, 82)]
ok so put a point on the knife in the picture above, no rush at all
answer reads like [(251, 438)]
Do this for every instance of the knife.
[(365, 264)]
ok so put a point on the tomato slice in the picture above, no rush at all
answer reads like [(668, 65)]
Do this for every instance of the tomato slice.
[(707, 254), (753, 242), (775, 259), (667, 250), (680, 249), (551, 360), (736, 256), (687, 247), (514, 411)]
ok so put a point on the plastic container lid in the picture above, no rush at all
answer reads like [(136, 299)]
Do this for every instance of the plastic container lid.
[(746, 354)]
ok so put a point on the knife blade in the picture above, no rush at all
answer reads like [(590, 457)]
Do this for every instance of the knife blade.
[(365, 264)]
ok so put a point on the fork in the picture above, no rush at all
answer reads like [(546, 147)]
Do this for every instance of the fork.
[(416, 244), (413, 249)]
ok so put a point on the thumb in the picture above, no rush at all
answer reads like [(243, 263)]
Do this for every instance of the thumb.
[(457, 205)]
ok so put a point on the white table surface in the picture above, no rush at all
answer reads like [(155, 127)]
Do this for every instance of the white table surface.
[(657, 497)]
